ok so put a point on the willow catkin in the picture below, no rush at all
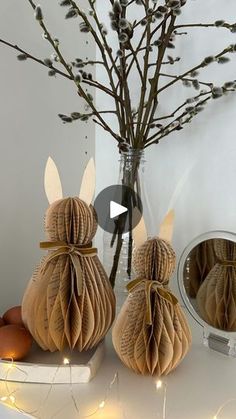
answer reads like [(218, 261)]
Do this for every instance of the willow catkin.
[(151, 335), (216, 297), (54, 310)]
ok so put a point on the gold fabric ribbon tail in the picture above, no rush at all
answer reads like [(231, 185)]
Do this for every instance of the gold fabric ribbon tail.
[(74, 251), (231, 263), (149, 287)]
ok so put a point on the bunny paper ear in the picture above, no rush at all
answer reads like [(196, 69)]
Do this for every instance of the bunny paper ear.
[(88, 183), (167, 226), (52, 182), (140, 233)]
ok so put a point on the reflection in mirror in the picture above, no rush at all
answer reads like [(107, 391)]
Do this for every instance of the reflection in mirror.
[(210, 282)]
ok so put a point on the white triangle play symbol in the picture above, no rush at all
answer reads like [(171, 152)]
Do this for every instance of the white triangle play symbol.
[(116, 209)]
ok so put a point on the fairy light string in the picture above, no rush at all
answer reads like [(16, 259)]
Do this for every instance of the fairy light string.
[(9, 397), (221, 408), (161, 385)]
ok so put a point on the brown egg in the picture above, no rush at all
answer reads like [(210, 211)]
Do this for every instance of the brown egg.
[(15, 342), (13, 316), (2, 323)]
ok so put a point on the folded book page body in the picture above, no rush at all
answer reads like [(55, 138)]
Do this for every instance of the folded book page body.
[(216, 297), (151, 334), (69, 301)]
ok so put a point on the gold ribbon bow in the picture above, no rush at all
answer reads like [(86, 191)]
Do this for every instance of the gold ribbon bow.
[(74, 251), (150, 286)]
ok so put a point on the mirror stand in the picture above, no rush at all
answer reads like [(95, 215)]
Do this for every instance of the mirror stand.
[(226, 346), (207, 284)]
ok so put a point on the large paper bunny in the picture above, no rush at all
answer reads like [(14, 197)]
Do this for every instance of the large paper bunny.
[(151, 334), (69, 300)]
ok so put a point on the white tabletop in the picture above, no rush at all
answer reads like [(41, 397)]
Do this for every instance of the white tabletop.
[(196, 389)]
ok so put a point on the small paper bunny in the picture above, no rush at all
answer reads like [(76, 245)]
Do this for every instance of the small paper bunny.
[(69, 300), (151, 334)]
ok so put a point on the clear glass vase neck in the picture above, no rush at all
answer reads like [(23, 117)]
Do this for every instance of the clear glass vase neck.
[(132, 155)]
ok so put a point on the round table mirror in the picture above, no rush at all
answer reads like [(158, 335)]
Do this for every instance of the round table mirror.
[(207, 281)]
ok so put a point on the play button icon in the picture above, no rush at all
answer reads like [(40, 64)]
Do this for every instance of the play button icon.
[(116, 209), (119, 209)]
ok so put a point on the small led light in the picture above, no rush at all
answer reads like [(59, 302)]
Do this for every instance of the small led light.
[(66, 361), (158, 384), (12, 398), (102, 404), (3, 399), (215, 417)]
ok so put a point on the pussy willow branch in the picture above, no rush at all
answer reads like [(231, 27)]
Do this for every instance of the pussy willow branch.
[(109, 71), (161, 52), (152, 100), (144, 83), (197, 67), (92, 83), (139, 46), (203, 94), (125, 91), (172, 114), (148, 16), (104, 50), (32, 57), (140, 71), (157, 27), (81, 91), (172, 76), (204, 25), (105, 89), (166, 131), (91, 62)]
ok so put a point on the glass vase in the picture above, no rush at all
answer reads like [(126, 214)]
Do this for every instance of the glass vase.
[(118, 249)]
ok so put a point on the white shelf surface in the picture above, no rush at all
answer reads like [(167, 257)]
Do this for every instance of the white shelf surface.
[(196, 389)]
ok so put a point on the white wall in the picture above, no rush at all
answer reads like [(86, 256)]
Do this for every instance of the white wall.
[(30, 132), (204, 153)]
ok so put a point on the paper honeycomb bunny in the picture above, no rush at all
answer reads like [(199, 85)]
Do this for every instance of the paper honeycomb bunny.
[(151, 334), (69, 300)]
